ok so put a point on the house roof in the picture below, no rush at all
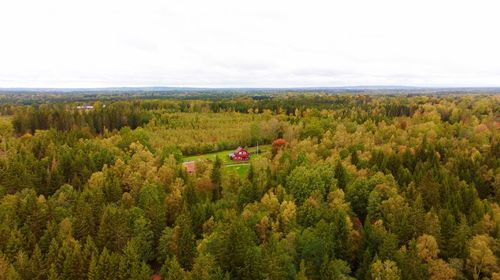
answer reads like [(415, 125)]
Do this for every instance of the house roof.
[(189, 165)]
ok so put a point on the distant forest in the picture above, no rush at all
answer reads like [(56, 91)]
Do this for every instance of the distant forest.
[(351, 186)]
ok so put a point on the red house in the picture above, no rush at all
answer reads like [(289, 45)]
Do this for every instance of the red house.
[(240, 154), (189, 166)]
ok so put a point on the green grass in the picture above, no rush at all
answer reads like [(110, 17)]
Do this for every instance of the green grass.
[(241, 167), (224, 155)]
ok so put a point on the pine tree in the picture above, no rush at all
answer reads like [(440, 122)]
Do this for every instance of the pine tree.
[(151, 200), (22, 265), (93, 270), (302, 275), (458, 242), (143, 238), (275, 261), (184, 241), (131, 266), (85, 224), (4, 267), (113, 229), (88, 252), (206, 267), (53, 275), (172, 270), (38, 266), (341, 175), (143, 274), (386, 270), (216, 178)]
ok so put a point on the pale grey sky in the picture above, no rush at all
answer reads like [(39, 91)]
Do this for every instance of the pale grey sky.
[(231, 43)]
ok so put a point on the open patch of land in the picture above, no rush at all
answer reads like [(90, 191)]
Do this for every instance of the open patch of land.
[(241, 167)]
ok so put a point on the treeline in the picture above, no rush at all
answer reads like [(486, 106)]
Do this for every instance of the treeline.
[(115, 115), (65, 117), (385, 188)]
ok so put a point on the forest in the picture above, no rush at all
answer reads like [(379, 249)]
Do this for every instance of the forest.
[(350, 186)]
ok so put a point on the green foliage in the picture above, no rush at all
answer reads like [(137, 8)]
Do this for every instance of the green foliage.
[(304, 181), (184, 241), (355, 186), (386, 270), (170, 151), (172, 270), (131, 266)]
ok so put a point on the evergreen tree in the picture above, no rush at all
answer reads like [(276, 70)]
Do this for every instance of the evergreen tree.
[(171, 270), (131, 266), (341, 175), (216, 178), (143, 238), (386, 270), (184, 241)]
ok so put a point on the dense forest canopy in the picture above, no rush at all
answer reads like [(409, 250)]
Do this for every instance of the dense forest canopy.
[(355, 187)]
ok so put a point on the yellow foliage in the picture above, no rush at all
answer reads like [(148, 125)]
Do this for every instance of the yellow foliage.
[(427, 247)]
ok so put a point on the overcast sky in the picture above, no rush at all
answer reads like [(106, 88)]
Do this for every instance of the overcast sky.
[(100, 43)]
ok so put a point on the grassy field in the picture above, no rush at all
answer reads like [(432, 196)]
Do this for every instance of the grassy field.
[(241, 167)]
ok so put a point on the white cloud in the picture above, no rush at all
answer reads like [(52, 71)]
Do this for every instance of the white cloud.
[(60, 43)]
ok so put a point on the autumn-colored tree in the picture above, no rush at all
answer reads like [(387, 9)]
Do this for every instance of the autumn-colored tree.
[(279, 144), (427, 247), (481, 260), (386, 270), (365, 186), (440, 270)]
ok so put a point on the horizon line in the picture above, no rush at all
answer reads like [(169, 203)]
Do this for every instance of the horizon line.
[(250, 87)]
